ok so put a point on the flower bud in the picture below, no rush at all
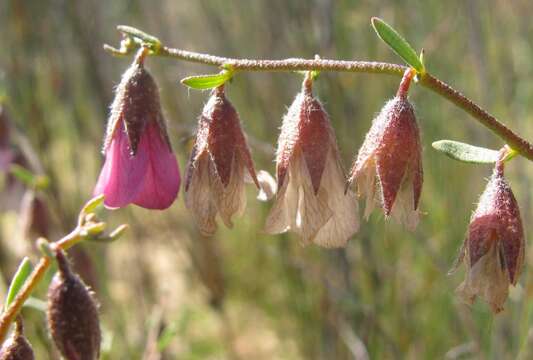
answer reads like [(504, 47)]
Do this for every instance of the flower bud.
[(493, 251), (388, 168), (17, 346), (72, 314), (139, 166), (218, 162), (310, 198)]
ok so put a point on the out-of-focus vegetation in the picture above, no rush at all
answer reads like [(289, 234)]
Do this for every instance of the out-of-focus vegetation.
[(165, 291)]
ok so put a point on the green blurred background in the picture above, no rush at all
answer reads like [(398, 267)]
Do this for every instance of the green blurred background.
[(168, 293)]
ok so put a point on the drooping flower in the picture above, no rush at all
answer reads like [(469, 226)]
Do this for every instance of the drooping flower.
[(388, 167), (493, 251), (311, 200), (139, 167), (217, 167)]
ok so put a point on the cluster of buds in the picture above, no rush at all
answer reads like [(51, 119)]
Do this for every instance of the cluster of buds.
[(311, 198), (493, 251)]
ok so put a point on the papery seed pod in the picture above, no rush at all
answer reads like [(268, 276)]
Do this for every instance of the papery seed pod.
[(388, 168), (494, 248), (140, 167), (72, 314), (219, 160), (17, 346), (310, 198)]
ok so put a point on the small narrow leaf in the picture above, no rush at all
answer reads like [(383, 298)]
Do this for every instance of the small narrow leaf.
[(92, 204), (204, 82), (23, 272), (397, 43), (23, 175), (466, 152)]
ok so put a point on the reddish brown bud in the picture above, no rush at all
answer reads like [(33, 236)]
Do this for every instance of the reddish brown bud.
[(493, 251), (218, 162), (72, 315), (136, 103), (311, 200), (17, 346), (388, 168)]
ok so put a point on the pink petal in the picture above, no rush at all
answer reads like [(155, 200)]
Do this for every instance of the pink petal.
[(162, 177), (122, 175)]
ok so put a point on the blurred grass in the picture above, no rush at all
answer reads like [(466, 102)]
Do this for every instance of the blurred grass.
[(389, 288)]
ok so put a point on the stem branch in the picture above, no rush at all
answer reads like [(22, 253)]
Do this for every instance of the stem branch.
[(511, 138), (9, 315)]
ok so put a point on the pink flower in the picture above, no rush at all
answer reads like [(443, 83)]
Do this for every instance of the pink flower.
[(388, 168), (311, 200), (493, 251), (139, 167), (219, 163)]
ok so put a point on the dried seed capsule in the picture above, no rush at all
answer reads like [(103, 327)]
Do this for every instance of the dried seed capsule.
[(73, 315), (17, 346)]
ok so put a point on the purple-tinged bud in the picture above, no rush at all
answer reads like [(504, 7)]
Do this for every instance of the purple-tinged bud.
[(218, 164), (73, 315), (493, 251), (139, 167), (311, 200), (17, 346), (388, 168)]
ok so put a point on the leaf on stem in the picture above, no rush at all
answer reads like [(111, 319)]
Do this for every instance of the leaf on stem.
[(19, 279), (204, 82), (466, 152), (398, 44)]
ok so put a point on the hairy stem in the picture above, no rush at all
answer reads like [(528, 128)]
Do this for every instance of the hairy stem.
[(511, 138), (9, 315)]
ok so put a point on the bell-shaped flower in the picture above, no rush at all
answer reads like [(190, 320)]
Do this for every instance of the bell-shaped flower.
[(310, 199), (493, 251), (140, 167), (219, 163), (388, 168)]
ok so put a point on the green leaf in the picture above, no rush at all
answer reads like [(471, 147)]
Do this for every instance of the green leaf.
[(38, 182), (398, 44), (166, 337), (91, 205), (204, 82), (466, 152), (23, 272), (36, 304)]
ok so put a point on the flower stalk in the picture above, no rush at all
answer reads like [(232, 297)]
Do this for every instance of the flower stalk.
[(517, 143), (87, 220)]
